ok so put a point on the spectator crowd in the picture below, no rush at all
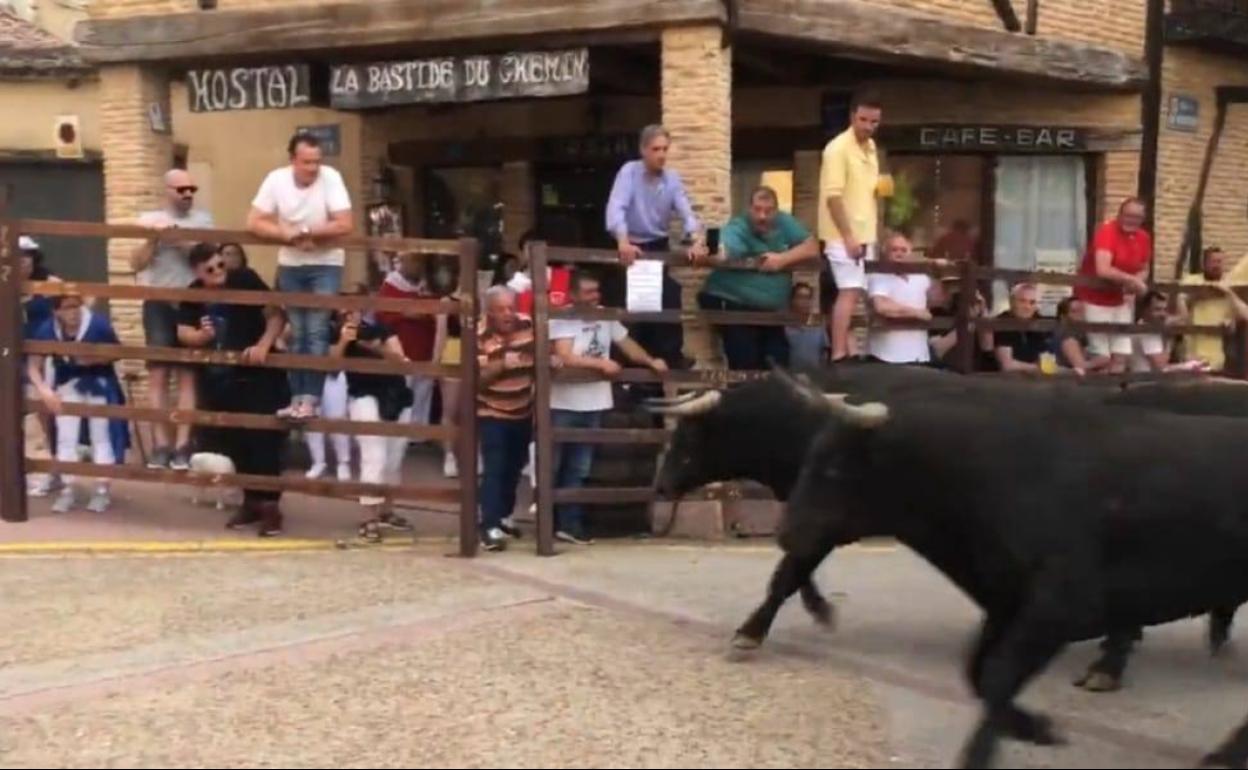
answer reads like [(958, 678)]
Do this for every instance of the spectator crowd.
[(305, 207)]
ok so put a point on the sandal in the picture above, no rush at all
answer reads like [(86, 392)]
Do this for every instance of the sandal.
[(370, 531), (391, 521)]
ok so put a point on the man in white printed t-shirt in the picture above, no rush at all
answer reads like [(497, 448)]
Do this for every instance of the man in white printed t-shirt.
[(304, 205), (901, 297), (585, 345)]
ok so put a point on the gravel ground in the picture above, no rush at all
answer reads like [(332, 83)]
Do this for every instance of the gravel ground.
[(535, 684)]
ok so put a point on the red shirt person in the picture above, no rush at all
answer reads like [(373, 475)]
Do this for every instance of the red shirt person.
[(1120, 254), (416, 330)]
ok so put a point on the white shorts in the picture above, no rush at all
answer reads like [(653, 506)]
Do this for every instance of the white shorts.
[(849, 273), (1109, 344)]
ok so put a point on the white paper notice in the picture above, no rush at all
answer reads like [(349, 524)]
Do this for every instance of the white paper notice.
[(645, 286)]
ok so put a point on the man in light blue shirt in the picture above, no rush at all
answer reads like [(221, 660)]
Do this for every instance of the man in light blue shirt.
[(645, 197)]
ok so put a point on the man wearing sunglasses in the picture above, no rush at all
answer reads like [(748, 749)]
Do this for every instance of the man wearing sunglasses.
[(1120, 254), (164, 265)]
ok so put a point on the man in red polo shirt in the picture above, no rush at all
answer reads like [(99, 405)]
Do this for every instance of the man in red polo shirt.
[(1120, 253)]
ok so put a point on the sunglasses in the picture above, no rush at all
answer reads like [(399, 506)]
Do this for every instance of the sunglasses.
[(186, 190), (214, 267)]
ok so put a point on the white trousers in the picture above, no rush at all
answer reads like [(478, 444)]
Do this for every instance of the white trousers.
[(422, 398), (68, 427), (333, 407), (381, 457)]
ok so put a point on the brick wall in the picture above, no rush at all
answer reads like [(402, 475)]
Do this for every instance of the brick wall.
[(697, 109), (1112, 23), (135, 159), (1194, 73)]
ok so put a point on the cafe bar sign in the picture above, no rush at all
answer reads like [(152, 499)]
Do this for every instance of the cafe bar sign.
[(985, 138), (460, 79)]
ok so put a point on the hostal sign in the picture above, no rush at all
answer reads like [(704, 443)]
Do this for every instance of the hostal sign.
[(249, 88), (456, 79)]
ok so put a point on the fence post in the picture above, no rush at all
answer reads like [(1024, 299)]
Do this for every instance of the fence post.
[(544, 434), (1240, 358), (12, 410), (967, 338), (466, 433)]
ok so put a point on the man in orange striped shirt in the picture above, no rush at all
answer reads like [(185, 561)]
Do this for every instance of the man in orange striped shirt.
[(504, 408)]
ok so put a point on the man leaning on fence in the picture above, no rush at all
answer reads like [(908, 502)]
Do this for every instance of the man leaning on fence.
[(1120, 253), (250, 330), (644, 198), (585, 344), (164, 265), (780, 243), (505, 352)]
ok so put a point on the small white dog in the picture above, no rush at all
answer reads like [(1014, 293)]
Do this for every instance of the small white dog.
[(212, 464)]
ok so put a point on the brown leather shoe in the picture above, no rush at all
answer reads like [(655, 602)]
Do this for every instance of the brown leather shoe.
[(270, 519)]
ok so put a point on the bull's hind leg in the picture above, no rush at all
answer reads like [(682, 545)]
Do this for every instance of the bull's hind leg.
[(818, 607), (1105, 673), (792, 574)]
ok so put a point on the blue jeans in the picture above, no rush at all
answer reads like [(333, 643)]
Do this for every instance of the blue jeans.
[(504, 453), (309, 326), (572, 464)]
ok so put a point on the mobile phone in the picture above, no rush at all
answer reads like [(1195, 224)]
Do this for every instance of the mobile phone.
[(712, 240)]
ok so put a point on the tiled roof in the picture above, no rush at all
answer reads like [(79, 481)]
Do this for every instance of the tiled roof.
[(25, 49)]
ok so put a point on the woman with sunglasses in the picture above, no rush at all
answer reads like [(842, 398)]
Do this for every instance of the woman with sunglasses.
[(251, 330)]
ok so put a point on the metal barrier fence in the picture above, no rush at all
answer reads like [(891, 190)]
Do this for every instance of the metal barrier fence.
[(968, 278), (14, 464)]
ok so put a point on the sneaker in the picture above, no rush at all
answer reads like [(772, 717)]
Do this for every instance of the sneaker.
[(99, 503), (46, 486), (510, 529), (568, 537), (316, 471), (394, 522), (65, 502), (344, 471), (450, 466), (160, 459), (181, 460), (270, 519), (246, 516), (494, 540)]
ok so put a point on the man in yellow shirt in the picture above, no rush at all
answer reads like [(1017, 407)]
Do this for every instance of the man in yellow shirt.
[(849, 216), (1209, 310)]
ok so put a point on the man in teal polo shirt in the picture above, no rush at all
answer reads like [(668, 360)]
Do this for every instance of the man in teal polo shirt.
[(781, 244)]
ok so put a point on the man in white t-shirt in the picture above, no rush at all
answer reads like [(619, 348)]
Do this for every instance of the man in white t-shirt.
[(585, 345), (901, 297), (305, 205)]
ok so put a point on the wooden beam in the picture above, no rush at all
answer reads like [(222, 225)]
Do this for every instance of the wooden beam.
[(1005, 12), (888, 34), (328, 26), (12, 449), (1150, 113), (1033, 17)]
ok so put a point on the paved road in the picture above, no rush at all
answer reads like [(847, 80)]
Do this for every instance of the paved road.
[(610, 656)]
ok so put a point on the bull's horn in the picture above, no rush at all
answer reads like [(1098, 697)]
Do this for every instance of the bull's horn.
[(700, 404), (674, 400), (871, 415)]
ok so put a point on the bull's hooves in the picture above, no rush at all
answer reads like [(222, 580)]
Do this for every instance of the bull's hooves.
[(1221, 649), (1214, 760), (1099, 681), (824, 616), (743, 648), (1043, 733)]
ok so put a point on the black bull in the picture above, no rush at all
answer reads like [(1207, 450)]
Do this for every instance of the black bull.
[(1066, 428)]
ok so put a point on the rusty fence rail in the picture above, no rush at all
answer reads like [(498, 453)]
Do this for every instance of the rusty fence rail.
[(968, 278), (13, 403)]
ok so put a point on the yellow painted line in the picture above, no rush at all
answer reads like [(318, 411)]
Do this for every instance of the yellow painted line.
[(193, 546)]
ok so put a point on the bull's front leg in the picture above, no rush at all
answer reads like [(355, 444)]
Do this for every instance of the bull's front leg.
[(1220, 628), (793, 573)]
